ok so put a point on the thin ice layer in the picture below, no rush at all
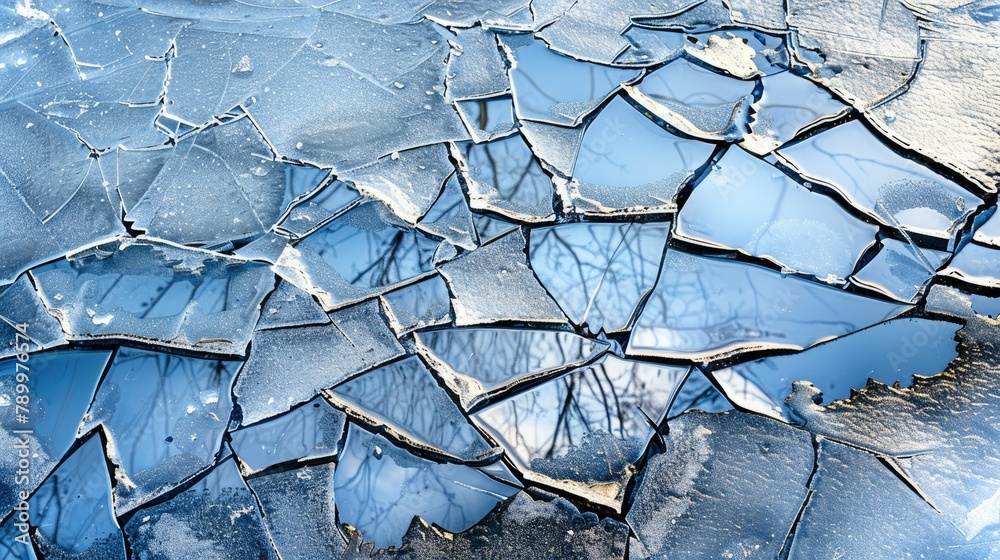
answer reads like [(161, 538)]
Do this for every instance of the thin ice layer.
[(890, 188), (891, 352), (72, 511), (302, 361), (704, 307), (418, 306), (518, 529), (494, 284), (584, 432), (152, 292), (60, 386), (503, 177), (900, 270), (218, 185), (726, 484), (215, 518), (599, 273), (358, 90), (404, 399), (22, 311), (407, 182), (311, 431), (380, 487), (547, 85), (975, 264), (164, 416), (746, 204), (939, 434), (299, 512), (52, 194), (612, 173), (478, 363), (360, 254), (696, 101)]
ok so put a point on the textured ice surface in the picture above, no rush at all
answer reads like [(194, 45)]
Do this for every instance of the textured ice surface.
[(695, 499), (300, 512), (305, 360), (544, 279), (215, 518), (64, 382), (150, 291)]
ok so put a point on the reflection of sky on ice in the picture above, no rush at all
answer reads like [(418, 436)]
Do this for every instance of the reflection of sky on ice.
[(499, 279)]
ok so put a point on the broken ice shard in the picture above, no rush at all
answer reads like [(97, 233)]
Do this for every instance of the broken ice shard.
[(380, 487), (478, 364), (305, 360), (152, 292), (311, 431), (360, 254), (584, 432), (418, 306), (53, 197), (405, 400), (20, 306), (220, 184), (164, 416), (216, 517), (599, 273), (504, 177), (612, 175), (696, 101), (72, 511), (941, 426), (900, 270), (975, 264), (746, 204), (890, 352), (847, 490), (300, 513), (519, 528), (703, 308), (896, 191), (494, 284), (554, 88), (727, 482), (61, 385)]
